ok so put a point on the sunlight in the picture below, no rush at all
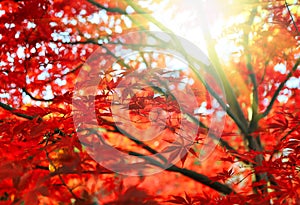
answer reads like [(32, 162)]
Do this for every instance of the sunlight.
[(184, 25), (183, 18)]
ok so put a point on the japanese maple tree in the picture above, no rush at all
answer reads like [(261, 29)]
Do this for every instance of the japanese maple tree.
[(93, 110)]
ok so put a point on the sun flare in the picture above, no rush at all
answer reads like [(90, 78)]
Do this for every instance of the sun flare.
[(183, 18)]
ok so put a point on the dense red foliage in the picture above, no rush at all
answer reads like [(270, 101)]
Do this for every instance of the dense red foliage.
[(56, 60)]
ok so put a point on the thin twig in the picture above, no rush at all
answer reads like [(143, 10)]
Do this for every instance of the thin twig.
[(292, 18), (35, 98), (282, 84)]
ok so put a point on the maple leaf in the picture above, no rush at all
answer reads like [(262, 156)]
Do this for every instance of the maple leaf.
[(182, 200)]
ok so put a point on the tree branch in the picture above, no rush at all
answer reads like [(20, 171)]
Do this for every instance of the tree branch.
[(12, 110), (109, 9), (222, 188), (254, 120), (136, 141), (254, 142), (292, 18), (34, 98), (282, 84)]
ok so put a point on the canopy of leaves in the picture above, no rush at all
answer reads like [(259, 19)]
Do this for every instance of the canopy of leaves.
[(48, 51)]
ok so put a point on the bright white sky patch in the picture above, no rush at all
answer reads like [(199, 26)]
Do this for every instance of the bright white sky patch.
[(2, 12), (280, 68), (17, 35), (129, 10), (293, 82), (20, 52), (48, 93), (31, 25)]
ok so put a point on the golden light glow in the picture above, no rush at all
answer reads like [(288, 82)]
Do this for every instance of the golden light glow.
[(183, 18)]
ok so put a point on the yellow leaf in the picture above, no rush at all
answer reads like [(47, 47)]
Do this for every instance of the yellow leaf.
[(51, 168)]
